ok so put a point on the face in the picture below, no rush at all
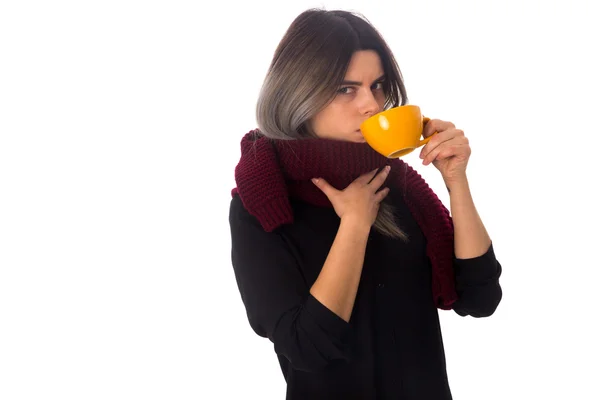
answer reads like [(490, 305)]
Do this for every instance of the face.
[(359, 97)]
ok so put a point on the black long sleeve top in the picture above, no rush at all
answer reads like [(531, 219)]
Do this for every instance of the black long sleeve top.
[(392, 346)]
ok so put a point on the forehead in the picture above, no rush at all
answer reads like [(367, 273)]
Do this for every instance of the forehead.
[(364, 64)]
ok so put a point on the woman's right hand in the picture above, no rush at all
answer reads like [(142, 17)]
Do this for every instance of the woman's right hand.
[(359, 202)]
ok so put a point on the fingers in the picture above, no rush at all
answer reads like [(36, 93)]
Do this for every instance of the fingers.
[(325, 187), (440, 138), (366, 178), (372, 179), (444, 149), (379, 196), (432, 155), (380, 178), (436, 125)]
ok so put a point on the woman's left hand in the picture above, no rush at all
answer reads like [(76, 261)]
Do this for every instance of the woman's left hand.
[(448, 149)]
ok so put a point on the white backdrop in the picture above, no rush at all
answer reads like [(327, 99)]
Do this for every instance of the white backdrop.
[(120, 124)]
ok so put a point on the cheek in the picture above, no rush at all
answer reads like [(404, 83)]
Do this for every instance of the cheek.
[(338, 116), (340, 111), (331, 116), (380, 99), (322, 122)]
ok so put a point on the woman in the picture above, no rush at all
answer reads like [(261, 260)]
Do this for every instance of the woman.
[(341, 255)]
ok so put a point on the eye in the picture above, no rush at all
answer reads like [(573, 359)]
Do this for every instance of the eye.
[(345, 90), (378, 86)]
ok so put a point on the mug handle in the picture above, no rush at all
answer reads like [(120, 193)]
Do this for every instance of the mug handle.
[(426, 140)]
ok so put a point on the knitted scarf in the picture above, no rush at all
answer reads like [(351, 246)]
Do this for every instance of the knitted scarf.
[(271, 171)]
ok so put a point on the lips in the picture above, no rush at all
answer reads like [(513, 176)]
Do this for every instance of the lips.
[(361, 138)]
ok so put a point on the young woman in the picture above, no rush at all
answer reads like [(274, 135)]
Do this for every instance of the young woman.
[(343, 256)]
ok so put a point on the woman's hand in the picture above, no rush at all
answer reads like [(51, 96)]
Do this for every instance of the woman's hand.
[(448, 150), (359, 202)]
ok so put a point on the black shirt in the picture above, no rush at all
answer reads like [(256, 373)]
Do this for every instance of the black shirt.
[(392, 347)]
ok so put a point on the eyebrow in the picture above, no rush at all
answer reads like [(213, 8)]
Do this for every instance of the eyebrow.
[(355, 83)]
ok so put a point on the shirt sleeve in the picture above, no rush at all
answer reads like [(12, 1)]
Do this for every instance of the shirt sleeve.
[(478, 285), (277, 300)]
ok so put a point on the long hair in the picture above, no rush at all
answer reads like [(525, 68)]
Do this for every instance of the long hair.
[(308, 67)]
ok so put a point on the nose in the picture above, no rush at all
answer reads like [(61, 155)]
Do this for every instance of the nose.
[(367, 103)]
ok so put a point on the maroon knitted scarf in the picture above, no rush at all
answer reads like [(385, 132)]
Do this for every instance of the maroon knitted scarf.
[(271, 171)]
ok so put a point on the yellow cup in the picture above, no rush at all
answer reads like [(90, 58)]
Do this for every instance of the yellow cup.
[(395, 132)]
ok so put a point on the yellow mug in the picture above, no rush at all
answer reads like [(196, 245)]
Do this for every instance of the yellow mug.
[(395, 132)]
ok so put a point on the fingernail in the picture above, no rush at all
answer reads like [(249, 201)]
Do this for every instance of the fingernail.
[(315, 180), (387, 168)]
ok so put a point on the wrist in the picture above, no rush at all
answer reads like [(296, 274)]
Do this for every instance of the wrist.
[(456, 183), (355, 224)]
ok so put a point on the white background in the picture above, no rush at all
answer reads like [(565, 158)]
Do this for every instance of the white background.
[(120, 124)]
